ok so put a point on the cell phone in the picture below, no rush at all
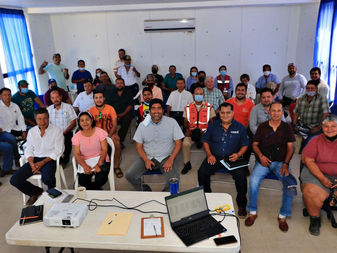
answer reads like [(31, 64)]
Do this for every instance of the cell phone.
[(225, 240), (53, 193)]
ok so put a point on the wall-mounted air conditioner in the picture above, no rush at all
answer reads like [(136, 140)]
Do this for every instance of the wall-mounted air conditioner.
[(162, 25)]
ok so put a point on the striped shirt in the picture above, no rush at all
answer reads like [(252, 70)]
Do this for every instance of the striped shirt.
[(214, 97), (62, 117)]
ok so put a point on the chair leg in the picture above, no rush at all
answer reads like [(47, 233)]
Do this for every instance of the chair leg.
[(63, 178)]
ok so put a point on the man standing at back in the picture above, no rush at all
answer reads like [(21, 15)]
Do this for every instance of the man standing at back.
[(56, 71), (266, 78), (81, 76), (129, 74)]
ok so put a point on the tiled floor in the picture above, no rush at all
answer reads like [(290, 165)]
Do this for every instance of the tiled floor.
[(263, 237)]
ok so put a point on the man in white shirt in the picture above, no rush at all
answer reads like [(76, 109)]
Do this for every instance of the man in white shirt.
[(120, 61), (85, 100), (63, 116), (251, 92), (12, 125), (177, 101), (44, 145), (323, 87), (129, 74)]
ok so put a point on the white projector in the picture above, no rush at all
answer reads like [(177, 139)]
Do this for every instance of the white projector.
[(65, 215)]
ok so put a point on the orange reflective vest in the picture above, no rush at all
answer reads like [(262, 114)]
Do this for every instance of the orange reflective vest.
[(223, 85), (198, 119)]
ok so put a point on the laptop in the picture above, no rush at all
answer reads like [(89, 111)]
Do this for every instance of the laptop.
[(189, 216)]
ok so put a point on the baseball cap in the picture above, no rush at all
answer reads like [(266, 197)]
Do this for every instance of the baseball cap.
[(127, 57), (22, 82), (289, 185), (292, 64), (51, 81)]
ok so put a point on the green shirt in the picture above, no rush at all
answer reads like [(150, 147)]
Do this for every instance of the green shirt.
[(172, 82), (26, 103)]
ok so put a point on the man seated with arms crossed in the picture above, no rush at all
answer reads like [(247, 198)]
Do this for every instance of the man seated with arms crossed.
[(225, 138), (44, 144), (197, 115), (177, 101), (85, 100), (273, 146), (309, 112), (25, 99), (144, 109), (106, 118), (63, 116), (12, 125), (157, 143)]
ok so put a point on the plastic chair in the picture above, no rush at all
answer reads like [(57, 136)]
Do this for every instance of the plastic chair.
[(111, 176), (59, 175)]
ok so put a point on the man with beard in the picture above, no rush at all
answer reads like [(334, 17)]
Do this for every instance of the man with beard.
[(150, 82), (122, 101), (144, 109), (157, 143), (292, 86), (106, 118), (53, 86)]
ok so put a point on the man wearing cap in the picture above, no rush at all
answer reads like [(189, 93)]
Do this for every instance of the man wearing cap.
[(292, 86), (81, 76), (53, 86), (120, 62), (56, 71), (273, 146), (129, 74), (266, 78), (323, 87), (25, 99)]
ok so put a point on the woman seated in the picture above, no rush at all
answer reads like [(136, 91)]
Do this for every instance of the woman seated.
[(319, 175), (90, 150)]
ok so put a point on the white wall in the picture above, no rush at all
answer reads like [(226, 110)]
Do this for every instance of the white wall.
[(242, 38)]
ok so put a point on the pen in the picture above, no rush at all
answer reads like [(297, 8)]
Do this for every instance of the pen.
[(155, 231)]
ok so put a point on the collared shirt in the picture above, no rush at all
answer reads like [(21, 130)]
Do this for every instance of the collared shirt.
[(224, 143), (292, 87), (51, 144), (156, 93), (120, 103), (310, 113), (172, 82), (129, 77), (158, 139), (214, 97), (11, 118), (55, 72), (84, 101), (178, 100), (61, 117), (241, 112), (267, 138), (262, 82), (119, 63), (323, 89), (47, 100)]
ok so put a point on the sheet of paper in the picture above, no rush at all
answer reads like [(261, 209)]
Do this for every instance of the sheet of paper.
[(91, 162), (115, 224), (152, 227)]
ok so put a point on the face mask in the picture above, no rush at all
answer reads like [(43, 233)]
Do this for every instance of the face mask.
[(223, 72), (98, 74), (310, 93), (154, 71), (194, 74), (201, 79), (331, 138), (198, 98), (24, 90), (266, 73), (81, 69), (127, 65), (150, 84)]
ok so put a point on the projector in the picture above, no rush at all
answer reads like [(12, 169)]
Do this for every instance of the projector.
[(65, 215)]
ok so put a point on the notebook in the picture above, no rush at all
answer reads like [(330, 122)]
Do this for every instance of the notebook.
[(234, 165), (31, 214), (189, 216)]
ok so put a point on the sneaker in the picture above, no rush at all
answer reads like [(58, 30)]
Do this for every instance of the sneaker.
[(187, 168), (315, 225)]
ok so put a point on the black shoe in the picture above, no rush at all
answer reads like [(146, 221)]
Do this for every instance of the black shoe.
[(122, 146), (242, 213), (33, 198), (187, 168), (199, 145), (315, 225), (146, 188), (2, 173)]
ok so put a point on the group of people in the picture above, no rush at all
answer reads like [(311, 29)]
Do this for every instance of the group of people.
[(228, 122)]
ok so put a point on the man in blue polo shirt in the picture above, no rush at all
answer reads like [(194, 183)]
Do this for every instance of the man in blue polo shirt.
[(225, 138)]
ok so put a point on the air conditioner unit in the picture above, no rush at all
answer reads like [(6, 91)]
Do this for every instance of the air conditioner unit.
[(162, 25)]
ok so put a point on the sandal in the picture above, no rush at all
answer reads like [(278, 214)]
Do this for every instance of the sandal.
[(118, 172)]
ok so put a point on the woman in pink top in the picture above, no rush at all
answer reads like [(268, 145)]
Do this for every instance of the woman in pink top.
[(90, 150)]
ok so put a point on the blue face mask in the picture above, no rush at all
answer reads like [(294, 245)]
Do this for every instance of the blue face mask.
[(198, 98), (223, 72), (81, 69), (127, 65), (24, 90), (194, 74), (311, 93), (98, 74)]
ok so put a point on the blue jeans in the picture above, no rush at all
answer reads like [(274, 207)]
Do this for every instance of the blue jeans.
[(10, 138), (257, 176), (7, 156)]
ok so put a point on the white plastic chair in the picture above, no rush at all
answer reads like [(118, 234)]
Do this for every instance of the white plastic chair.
[(111, 176), (59, 174)]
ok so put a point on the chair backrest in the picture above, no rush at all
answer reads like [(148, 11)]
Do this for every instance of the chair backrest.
[(111, 176)]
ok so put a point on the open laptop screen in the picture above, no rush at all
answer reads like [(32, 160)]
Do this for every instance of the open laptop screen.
[(186, 204)]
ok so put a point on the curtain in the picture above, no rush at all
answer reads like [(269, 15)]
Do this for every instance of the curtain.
[(16, 47)]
